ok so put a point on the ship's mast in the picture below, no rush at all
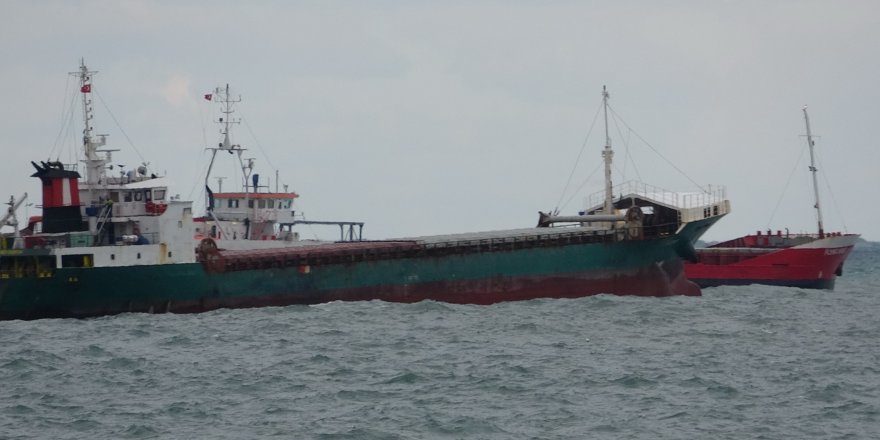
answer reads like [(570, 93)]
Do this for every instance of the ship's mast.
[(95, 165), (223, 97), (814, 170), (607, 154)]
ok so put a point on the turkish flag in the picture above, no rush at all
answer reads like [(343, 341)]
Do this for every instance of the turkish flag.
[(87, 88), (208, 96)]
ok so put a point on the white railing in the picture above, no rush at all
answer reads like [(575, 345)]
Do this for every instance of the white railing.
[(714, 194)]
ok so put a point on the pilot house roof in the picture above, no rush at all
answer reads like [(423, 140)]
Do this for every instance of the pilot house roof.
[(241, 195)]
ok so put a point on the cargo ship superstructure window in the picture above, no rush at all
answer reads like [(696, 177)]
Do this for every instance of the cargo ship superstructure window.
[(30, 266), (77, 260), (232, 203)]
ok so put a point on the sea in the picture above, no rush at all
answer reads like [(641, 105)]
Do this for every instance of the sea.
[(747, 362)]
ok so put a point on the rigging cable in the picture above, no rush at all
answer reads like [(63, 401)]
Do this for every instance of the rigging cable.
[(66, 118), (655, 150), (260, 146), (785, 187), (576, 161), (70, 132), (627, 157), (205, 163), (204, 124), (833, 199), (130, 143), (582, 185)]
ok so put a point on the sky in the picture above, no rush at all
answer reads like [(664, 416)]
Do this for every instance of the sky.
[(426, 117)]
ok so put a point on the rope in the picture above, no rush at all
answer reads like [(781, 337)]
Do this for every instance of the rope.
[(68, 133), (66, 118), (833, 199), (582, 185), (130, 143), (574, 167), (655, 150), (785, 187), (202, 121), (260, 147), (198, 183), (75, 140), (627, 157), (631, 159)]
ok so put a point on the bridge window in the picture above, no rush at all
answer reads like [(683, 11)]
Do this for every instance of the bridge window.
[(159, 194), (232, 203)]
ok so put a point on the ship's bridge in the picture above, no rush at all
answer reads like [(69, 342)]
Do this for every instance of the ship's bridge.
[(258, 207), (144, 197)]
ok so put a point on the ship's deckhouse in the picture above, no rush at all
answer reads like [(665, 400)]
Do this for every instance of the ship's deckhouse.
[(259, 207), (661, 206), (146, 197)]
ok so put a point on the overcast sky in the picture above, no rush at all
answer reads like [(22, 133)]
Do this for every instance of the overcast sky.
[(428, 117)]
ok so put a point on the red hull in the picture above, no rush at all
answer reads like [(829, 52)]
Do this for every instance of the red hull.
[(642, 283), (814, 263), (660, 280)]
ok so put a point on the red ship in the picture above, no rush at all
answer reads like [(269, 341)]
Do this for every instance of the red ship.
[(796, 260)]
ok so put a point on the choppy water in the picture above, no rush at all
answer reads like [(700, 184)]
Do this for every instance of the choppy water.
[(738, 363)]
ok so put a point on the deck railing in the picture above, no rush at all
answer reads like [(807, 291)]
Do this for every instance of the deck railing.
[(713, 194), (311, 256)]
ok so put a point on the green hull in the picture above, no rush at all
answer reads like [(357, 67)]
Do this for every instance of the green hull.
[(647, 267)]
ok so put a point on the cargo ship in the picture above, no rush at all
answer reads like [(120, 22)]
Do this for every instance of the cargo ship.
[(812, 260), (115, 244)]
